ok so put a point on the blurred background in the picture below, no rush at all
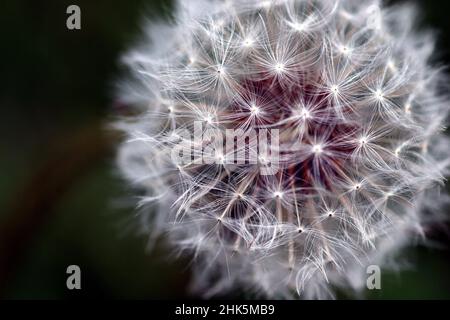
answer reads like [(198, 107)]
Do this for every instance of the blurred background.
[(61, 199)]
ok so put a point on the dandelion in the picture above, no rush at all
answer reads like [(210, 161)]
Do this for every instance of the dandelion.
[(360, 112)]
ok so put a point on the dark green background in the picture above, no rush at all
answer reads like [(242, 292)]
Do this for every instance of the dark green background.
[(61, 201)]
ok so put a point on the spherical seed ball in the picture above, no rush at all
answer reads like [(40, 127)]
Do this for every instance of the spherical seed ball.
[(286, 144)]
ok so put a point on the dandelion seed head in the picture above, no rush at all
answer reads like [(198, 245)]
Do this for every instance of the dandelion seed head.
[(360, 110)]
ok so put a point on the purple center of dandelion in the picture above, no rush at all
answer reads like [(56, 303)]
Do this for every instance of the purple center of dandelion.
[(317, 142)]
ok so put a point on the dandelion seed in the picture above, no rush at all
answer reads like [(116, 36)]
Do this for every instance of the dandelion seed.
[(248, 42), (279, 68), (317, 149), (255, 110), (335, 89), (408, 108), (305, 114), (357, 186), (379, 95), (278, 194), (266, 4), (391, 65), (300, 27), (220, 70), (345, 50), (192, 60)]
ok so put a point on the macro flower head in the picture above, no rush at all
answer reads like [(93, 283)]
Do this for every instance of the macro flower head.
[(286, 144)]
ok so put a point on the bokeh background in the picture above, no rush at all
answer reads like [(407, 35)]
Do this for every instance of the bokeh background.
[(61, 199)]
